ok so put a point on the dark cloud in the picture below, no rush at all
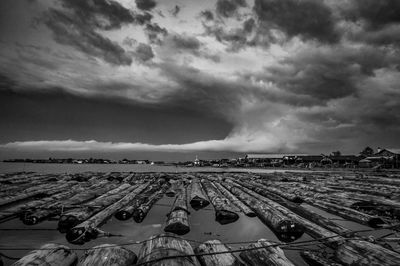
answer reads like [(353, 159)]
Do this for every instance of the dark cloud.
[(228, 8), (186, 42), (155, 33), (376, 14), (68, 31), (146, 4), (207, 14), (309, 19), (144, 52), (238, 38), (37, 115), (100, 13), (76, 24), (176, 11)]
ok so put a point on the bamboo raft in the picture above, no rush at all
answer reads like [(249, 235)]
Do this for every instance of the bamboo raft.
[(83, 203)]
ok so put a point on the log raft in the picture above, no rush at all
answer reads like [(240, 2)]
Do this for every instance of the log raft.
[(267, 256), (76, 216), (198, 198), (272, 214), (212, 246), (225, 212), (108, 255), (243, 207), (177, 221), (127, 212), (89, 228), (49, 254), (157, 249), (141, 212), (317, 259)]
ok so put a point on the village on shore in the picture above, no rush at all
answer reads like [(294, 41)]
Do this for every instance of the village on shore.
[(381, 158)]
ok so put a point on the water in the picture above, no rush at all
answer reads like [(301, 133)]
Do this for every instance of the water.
[(78, 168)]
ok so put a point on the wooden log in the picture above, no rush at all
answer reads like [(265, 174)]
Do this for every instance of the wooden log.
[(127, 212), (289, 196), (224, 259), (359, 252), (268, 256), (317, 259), (89, 229), (76, 216), (197, 197), (272, 214), (232, 198), (351, 250), (49, 254), (108, 255), (141, 212), (157, 249), (353, 215), (19, 209), (225, 212), (56, 208), (177, 219), (298, 209), (44, 190)]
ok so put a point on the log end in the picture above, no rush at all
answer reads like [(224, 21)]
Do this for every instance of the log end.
[(297, 199), (67, 221), (108, 255), (251, 214), (123, 215), (199, 203), (226, 217), (30, 219), (77, 235), (138, 216), (177, 228), (376, 222)]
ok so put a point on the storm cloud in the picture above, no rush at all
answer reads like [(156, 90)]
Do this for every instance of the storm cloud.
[(303, 76)]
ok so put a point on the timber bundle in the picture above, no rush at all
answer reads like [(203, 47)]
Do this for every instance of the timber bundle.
[(290, 204)]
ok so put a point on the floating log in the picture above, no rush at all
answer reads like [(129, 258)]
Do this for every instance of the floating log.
[(108, 255), (225, 212), (19, 209), (76, 216), (89, 228), (272, 214), (49, 254), (351, 214), (198, 198), (44, 190), (359, 252), (298, 209), (232, 198), (224, 259), (268, 256), (127, 212), (288, 196), (317, 259), (177, 221), (56, 208), (351, 250), (141, 212), (157, 249)]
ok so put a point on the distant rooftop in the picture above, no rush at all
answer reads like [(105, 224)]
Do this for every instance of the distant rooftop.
[(273, 156)]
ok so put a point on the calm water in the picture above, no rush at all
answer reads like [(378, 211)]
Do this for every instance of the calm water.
[(77, 168)]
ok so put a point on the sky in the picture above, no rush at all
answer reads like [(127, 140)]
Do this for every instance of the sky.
[(174, 79)]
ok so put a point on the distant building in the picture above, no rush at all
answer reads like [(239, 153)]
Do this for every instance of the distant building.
[(196, 161), (389, 158)]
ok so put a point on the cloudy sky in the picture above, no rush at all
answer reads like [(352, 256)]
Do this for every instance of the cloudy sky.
[(129, 77)]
